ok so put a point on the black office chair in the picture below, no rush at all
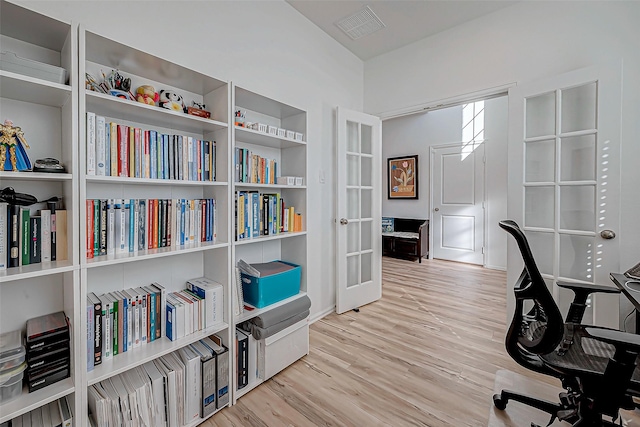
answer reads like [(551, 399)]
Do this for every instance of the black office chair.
[(595, 365)]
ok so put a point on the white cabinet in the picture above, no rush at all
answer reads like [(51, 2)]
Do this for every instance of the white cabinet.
[(261, 132), (171, 265), (47, 113)]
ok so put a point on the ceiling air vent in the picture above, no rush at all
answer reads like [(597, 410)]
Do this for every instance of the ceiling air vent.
[(360, 24)]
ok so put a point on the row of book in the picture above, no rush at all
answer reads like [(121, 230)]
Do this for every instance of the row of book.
[(173, 390), (115, 149), (261, 214), (120, 321), (252, 168), (116, 226), (53, 414), (26, 238)]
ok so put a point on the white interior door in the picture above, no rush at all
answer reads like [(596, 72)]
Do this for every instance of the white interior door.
[(564, 177), (457, 207), (358, 210)]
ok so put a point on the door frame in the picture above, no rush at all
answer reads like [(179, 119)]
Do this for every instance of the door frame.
[(432, 153)]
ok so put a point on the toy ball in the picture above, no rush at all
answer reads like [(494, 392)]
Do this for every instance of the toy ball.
[(171, 101), (147, 95)]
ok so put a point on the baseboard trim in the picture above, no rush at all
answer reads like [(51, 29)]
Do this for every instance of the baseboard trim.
[(322, 314), (494, 267)]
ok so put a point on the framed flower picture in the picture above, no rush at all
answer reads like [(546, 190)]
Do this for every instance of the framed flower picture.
[(403, 177)]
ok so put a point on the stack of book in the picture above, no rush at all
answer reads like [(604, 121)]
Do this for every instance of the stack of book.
[(115, 149), (53, 414), (47, 350), (120, 321), (173, 390), (31, 239), (252, 168), (261, 214), (199, 307), (116, 226)]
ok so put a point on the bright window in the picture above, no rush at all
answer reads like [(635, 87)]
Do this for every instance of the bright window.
[(472, 127)]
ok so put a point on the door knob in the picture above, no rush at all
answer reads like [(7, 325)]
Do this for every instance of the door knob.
[(436, 209), (608, 234), (344, 221)]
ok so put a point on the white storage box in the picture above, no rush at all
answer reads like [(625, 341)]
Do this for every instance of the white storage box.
[(262, 127), (299, 180), (11, 62), (299, 136), (272, 130), (282, 133), (11, 383), (286, 180), (282, 349), (12, 352), (291, 134)]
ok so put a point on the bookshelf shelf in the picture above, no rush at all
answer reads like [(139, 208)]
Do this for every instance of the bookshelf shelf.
[(267, 238), (246, 389), (33, 90), (103, 261), (148, 181), (34, 176), (151, 116), (270, 186), (36, 270), (258, 311), (251, 136), (141, 355), (29, 401)]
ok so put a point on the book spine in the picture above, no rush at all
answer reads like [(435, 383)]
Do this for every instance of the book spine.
[(36, 243), (165, 154), (100, 146), (115, 326), (160, 157), (102, 249), (131, 151), (142, 214), (54, 233), (171, 156), (126, 213), (90, 335), (139, 155), (97, 336), (4, 235), (153, 155), (96, 227), (45, 233), (25, 237), (147, 172), (107, 149), (91, 143), (123, 152), (114, 153), (89, 232), (111, 227)]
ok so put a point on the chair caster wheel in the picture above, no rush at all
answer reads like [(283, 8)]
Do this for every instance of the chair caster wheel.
[(499, 402)]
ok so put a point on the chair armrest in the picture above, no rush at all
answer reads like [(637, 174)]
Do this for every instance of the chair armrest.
[(589, 288), (619, 339), (581, 292)]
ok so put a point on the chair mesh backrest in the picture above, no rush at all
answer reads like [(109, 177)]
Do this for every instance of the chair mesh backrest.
[(540, 329)]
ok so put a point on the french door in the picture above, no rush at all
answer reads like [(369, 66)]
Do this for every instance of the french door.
[(564, 178)]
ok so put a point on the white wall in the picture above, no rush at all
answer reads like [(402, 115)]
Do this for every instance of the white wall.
[(415, 134), (266, 47), (525, 42)]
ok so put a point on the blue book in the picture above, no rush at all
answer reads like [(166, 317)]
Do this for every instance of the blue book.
[(153, 154), (132, 225), (255, 214), (160, 160), (165, 156), (179, 160), (171, 310), (202, 159), (182, 209), (107, 149)]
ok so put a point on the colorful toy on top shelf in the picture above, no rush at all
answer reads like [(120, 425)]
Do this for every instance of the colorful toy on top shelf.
[(13, 153), (115, 84), (147, 95), (172, 101), (239, 119), (198, 109)]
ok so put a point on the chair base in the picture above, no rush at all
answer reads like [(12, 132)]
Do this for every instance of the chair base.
[(568, 410)]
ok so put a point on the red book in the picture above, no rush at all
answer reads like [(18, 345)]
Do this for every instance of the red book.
[(123, 150), (89, 237), (155, 224), (149, 229)]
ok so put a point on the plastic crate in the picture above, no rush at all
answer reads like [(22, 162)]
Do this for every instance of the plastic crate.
[(263, 291)]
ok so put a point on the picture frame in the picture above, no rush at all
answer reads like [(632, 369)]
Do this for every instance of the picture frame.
[(402, 177)]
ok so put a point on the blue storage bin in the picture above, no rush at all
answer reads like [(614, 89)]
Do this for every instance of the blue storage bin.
[(262, 291)]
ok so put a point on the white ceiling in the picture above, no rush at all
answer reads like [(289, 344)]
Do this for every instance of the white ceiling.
[(406, 21)]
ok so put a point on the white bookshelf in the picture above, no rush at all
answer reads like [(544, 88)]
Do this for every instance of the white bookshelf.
[(47, 113), (291, 155), (169, 266)]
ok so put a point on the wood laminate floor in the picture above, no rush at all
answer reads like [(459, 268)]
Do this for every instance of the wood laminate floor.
[(426, 354)]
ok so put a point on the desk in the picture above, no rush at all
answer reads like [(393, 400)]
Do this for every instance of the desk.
[(631, 289)]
